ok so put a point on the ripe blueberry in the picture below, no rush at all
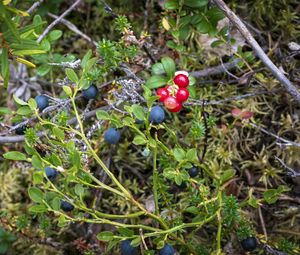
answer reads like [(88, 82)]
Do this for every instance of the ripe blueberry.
[(21, 130), (90, 93), (249, 244), (167, 250), (127, 249), (42, 102), (112, 136), (66, 206), (193, 172), (51, 173), (157, 115)]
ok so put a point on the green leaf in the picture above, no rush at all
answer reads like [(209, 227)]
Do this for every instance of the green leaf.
[(36, 162), (55, 34), (71, 75), (169, 66), (138, 112), (38, 208), (86, 57), (38, 178), (5, 110), (28, 52), (139, 140), (171, 4), (58, 133), (227, 175), (24, 110), (79, 190), (32, 104), (191, 155), (158, 69), (156, 81), (4, 64), (195, 3), (105, 236), (18, 100), (125, 232), (216, 43), (35, 194), (136, 242), (179, 154), (43, 70), (160, 245), (67, 90), (55, 203), (14, 155), (102, 115)]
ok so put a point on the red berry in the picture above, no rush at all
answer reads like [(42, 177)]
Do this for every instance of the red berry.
[(170, 103), (177, 108), (163, 93), (182, 94), (181, 80)]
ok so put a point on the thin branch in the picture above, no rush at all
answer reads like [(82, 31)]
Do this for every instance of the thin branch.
[(216, 70), (292, 172), (73, 28), (285, 141), (34, 6), (55, 22), (290, 88)]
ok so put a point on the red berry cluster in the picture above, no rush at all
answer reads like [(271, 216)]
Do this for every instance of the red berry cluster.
[(174, 95)]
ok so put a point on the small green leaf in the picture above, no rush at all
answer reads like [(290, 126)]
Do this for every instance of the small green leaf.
[(71, 75), (86, 57), (32, 104), (38, 208), (58, 133), (35, 194), (55, 203), (171, 4), (160, 245), (156, 81), (179, 154), (125, 232), (79, 190), (24, 110), (158, 69), (169, 66), (195, 3), (135, 242), (67, 90), (138, 112), (102, 115), (105, 236), (18, 100), (14, 155), (55, 34), (227, 175), (37, 177), (139, 140), (191, 155), (5, 110)]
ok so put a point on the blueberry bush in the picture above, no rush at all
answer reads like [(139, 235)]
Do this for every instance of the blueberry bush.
[(148, 127)]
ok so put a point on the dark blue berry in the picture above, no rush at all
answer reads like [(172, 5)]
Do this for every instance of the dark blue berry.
[(127, 249), (157, 115), (21, 130), (167, 250), (193, 172), (249, 244), (42, 102), (66, 206), (51, 173), (112, 136), (90, 93)]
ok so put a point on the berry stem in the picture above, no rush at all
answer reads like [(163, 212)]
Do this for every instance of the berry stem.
[(155, 178)]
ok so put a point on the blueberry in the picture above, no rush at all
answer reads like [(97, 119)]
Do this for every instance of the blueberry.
[(157, 115), (90, 93), (193, 172), (112, 136), (249, 244), (127, 249), (42, 102), (20, 130), (167, 250), (66, 206), (51, 173)]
